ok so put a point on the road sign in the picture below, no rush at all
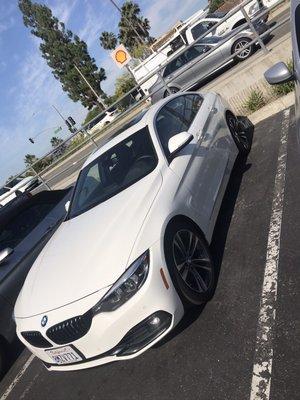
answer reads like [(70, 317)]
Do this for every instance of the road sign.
[(58, 129), (121, 56)]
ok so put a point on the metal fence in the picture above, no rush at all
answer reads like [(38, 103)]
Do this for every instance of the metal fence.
[(63, 166)]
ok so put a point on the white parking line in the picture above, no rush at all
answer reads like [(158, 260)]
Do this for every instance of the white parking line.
[(263, 358), (17, 378)]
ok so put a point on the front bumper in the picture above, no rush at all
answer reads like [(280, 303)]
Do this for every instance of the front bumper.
[(122, 334)]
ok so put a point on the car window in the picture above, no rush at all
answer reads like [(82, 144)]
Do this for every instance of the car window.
[(3, 191), (175, 117), (14, 182), (199, 29), (196, 51), (16, 230), (113, 171), (175, 65)]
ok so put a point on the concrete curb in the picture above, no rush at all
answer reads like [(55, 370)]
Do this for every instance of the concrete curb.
[(273, 108)]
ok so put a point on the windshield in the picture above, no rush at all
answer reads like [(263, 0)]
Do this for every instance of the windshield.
[(3, 191), (14, 182), (113, 171)]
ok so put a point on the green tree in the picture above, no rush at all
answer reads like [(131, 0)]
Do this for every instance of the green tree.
[(134, 30), (62, 50), (30, 159), (91, 115), (215, 4), (124, 84), (131, 24), (57, 144), (55, 141), (108, 40)]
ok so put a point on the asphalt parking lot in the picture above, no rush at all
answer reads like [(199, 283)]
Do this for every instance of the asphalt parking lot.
[(213, 352)]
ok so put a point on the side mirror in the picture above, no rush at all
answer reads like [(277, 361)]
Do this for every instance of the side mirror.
[(5, 253), (177, 142), (278, 73), (67, 205)]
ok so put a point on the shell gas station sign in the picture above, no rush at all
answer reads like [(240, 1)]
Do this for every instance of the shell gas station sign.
[(121, 56)]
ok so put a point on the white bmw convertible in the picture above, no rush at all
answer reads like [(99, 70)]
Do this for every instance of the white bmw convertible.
[(133, 251)]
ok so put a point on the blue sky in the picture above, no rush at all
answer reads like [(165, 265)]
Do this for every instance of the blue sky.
[(28, 89)]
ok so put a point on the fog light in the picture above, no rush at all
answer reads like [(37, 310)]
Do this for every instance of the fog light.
[(155, 321), (143, 333)]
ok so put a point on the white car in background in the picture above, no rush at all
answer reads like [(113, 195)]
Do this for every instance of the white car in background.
[(101, 121), (17, 186), (199, 28), (133, 252)]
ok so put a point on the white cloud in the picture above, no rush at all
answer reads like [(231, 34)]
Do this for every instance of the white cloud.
[(92, 26), (63, 9), (163, 14)]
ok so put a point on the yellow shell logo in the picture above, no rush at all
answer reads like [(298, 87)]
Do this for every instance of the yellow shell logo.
[(121, 56)]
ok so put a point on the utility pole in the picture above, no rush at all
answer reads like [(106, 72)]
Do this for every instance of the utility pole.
[(98, 97), (59, 113), (142, 41)]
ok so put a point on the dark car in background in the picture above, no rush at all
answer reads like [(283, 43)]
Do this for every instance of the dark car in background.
[(26, 224)]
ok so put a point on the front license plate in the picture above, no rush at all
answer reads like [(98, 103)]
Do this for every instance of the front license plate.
[(64, 355)]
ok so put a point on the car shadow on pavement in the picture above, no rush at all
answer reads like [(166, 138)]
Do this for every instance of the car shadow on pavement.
[(218, 242)]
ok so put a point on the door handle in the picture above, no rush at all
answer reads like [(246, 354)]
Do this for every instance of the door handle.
[(213, 110)]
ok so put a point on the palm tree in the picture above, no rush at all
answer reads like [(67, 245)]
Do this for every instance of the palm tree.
[(133, 28), (30, 159), (55, 141), (108, 40)]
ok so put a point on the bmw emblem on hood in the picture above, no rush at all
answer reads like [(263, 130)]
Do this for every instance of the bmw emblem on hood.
[(44, 321)]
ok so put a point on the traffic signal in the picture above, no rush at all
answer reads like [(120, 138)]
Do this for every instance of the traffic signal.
[(69, 125), (71, 120), (31, 140)]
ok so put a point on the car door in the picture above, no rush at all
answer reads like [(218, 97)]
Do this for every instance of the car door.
[(200, 63), (27, 233), (200, 165), (175, 72)]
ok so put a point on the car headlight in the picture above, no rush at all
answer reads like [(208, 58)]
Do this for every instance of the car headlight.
[(125, 287)]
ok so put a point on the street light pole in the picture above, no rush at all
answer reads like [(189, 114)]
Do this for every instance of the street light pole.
[(98, 97), (58, 112)]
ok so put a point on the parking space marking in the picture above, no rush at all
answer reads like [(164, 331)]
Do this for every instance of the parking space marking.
[(263, 358), (17, 378)]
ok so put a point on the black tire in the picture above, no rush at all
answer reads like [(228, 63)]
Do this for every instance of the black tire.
[(3, 357), (238, 45), (173, 90), (195, 281), (238, 133)]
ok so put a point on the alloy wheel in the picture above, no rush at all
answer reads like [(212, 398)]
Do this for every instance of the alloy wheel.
[(192, 261), (245, 52), (239, 135)]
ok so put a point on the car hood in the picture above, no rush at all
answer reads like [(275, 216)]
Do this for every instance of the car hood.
[(89, 252)]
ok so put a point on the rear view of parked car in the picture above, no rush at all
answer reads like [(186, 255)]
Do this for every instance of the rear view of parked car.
[(26, 224), (194, 65)]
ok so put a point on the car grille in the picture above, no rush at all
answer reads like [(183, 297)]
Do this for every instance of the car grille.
[(70, 329), (36, 339)]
